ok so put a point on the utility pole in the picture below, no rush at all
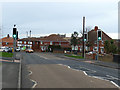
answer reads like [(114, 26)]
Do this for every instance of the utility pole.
[(83, 51)]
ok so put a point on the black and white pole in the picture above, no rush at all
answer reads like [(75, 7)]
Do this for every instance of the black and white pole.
[(14, 41)]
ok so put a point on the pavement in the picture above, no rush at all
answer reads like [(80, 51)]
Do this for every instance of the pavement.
[(0, 76), (49, 71), (10, 72), (10, 75)]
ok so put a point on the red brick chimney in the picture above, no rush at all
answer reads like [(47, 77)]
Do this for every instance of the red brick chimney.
[(96, 28), (8, 36)]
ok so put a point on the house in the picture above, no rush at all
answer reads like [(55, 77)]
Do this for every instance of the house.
[(6, 41), (91, 44), (44, 43)]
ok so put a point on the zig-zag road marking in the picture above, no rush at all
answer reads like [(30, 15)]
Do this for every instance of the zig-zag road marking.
[(35, 83)]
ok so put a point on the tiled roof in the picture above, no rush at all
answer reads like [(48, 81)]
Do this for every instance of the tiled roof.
[(52, 37), (7, 39)]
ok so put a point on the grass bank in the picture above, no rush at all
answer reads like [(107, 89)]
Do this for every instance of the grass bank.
[(6, 54), (75, 56)]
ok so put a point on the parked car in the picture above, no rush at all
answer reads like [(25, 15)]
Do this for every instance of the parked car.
[(5, 49), (9, 50), (90, 53), (17, 50), (2, 49), (29, 50)]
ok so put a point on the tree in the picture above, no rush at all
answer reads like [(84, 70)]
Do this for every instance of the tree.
[(110, 47), (74, 39), (107, 46)]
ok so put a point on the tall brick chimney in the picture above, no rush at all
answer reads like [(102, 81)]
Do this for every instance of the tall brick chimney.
[(8, 36), (96, 28)]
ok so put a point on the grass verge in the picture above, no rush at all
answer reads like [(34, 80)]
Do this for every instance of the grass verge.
[(6, 54), (75, 56)]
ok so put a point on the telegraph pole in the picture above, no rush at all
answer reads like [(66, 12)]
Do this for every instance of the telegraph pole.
[(83, 51)]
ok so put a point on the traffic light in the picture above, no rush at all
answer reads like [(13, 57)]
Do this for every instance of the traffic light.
[(99, 34), (14, 32), (85, 37)]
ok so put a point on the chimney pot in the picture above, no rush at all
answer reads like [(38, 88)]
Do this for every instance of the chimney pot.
[(96, 28), (8, 36)]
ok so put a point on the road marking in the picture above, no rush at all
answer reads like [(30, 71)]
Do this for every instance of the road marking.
[(112, 77), (102, 78), (87, 69), (35, 83), (114, 84), (30, 73), (41, 56), (85, 73)]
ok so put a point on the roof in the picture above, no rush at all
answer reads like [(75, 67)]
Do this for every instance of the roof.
[(7, 39), (52, 37)]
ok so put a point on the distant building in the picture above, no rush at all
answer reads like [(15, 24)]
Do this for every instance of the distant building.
[(43, 43), (6, 41)]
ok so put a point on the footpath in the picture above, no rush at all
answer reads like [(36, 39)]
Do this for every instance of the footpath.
[(10, 72)]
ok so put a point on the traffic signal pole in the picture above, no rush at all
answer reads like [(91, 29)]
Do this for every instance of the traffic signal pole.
[(14, 47), (14, 42), (97, 49)]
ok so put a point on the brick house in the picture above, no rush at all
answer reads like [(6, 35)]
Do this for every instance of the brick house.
[(42, 43), (91, 45), (6, 41)]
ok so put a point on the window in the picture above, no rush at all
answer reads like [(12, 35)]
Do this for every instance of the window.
[(7, 43), (102, 42), (41, 42), (30, 42), (59, 43), (51, 43), (95, 42), (24, 42), (19, 42)]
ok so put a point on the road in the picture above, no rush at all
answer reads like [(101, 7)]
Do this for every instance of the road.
[(45, 70)]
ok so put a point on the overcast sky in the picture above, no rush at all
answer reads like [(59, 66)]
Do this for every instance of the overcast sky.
[(44, 18)]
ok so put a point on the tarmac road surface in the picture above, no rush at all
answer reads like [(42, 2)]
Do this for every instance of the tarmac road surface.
[(47, 72)]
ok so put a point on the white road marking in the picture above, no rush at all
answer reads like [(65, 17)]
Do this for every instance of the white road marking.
[(30, 73), (102, 78), (115, 84), (85, 73), (112, 77), (35, 83), (42, 56)]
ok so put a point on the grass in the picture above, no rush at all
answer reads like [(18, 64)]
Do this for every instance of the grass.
[(6, 54), (75, 56)]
